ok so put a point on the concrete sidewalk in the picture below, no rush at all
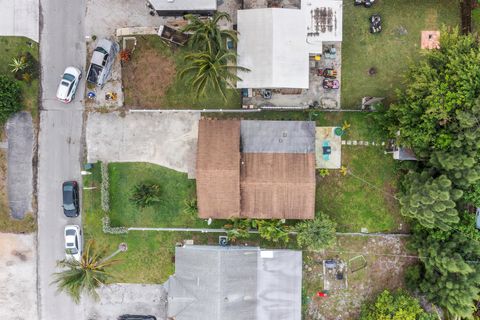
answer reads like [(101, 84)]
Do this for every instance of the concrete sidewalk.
[(19, 18)]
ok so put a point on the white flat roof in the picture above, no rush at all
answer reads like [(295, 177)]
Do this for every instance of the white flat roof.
[(184, 5), (272, 45), (275, 43)]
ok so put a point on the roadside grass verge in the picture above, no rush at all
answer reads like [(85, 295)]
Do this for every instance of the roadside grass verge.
[(157, 85), (365, 198), (391, 51), (13, 47)]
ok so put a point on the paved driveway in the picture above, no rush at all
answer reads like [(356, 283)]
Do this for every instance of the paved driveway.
[(168, 138), (19, 18), (20, 173), (124, 298), (105, 16)]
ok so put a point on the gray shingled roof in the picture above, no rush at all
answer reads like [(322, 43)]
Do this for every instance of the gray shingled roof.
[(277, 136), (235, 283)]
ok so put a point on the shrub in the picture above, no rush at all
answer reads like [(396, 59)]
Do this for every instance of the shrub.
[(104, 191), (10, 96), (191, 206), (145, 195), (316, 234), (397, 306)]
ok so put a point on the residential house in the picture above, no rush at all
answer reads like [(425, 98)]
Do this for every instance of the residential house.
[(235, 283), (275, 44), (256, 169)]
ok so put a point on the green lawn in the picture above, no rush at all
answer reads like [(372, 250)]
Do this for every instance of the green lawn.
[(180, 94), (391, 51), (175, 188), (363, 199), (149, 258)]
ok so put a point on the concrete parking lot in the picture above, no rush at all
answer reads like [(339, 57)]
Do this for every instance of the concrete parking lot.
[(165, 138)]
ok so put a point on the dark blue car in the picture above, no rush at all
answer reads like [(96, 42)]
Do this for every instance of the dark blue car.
[(70, 205)]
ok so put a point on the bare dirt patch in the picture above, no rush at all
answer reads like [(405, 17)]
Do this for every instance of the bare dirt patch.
[(147, 77), (384, 270)]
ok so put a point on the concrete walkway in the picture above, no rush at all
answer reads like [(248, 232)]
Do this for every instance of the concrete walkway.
[(20, 172), (19, 18)]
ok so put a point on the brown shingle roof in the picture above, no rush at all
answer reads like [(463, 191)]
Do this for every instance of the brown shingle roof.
[(278, 185), (218, 168), (259, 185)]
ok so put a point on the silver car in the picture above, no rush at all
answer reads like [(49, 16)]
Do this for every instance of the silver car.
[(73, 242), (68, 84), (102, 62)]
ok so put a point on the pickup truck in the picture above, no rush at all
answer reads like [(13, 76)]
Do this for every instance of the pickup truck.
[(102, 62)]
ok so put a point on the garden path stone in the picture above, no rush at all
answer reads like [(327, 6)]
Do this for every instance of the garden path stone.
[(19, 170)]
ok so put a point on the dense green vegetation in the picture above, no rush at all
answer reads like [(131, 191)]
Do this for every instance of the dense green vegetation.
[(437, 115), (394, 306)]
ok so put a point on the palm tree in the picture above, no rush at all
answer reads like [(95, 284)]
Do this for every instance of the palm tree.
[(18, 64), (85, 275), (206, 34), (211, 70)]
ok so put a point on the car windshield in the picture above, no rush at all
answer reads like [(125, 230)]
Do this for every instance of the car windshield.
[(100, 49), (68, 77), (70, 232)]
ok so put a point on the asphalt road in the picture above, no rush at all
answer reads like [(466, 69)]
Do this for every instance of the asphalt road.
[(62, 43)]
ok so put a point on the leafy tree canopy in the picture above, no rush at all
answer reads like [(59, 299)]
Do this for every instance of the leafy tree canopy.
[(438, 112), (10, 96), (397, 306), (430, 201), (451, 272)]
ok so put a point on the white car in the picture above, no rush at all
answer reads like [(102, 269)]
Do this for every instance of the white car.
[(68, 85), (73, 242)]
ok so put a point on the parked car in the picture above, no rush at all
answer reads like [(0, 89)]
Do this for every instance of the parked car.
[(102, 62), (73, 242), (136, 317), (70, 199), (68, 84)]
